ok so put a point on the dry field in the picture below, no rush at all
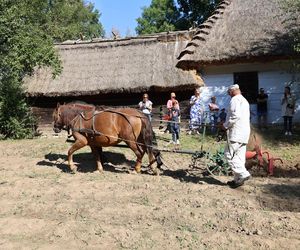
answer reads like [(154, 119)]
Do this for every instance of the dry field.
[(43, 206)]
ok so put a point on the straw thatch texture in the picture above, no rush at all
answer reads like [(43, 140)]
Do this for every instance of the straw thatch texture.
[(116, 66), (241, 30)]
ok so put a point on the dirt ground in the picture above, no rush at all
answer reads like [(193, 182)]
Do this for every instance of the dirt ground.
[(44, 206)]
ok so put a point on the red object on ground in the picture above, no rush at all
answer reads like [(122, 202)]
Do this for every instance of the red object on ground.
[(258, 154)]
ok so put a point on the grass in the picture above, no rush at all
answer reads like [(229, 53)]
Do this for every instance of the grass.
[(273, 140)]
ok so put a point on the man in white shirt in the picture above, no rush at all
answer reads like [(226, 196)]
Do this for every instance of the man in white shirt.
[(237, 125)]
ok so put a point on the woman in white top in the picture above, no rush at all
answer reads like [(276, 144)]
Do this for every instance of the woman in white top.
[(146, 106)]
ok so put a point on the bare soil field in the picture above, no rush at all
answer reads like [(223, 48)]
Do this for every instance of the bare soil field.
[(44, 206)]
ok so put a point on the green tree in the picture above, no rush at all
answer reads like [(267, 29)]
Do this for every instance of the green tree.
[(23, 45), (194, 12), (160, 16), (293, 8), (169, 15), (27, 31), (70, 19)]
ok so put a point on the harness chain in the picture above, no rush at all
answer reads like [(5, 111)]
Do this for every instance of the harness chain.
[(97, 133)]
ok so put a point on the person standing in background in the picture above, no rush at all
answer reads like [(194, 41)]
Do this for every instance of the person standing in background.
[(175, 127), (262, 109), (146, 106), (214, 114), (288, 109), (169, 107), (196, 112)]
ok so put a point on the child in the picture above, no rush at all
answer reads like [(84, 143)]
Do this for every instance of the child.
[(174, 115)]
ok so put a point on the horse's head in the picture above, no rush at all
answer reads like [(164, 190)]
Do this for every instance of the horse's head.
[(64, 116), (58, 124)]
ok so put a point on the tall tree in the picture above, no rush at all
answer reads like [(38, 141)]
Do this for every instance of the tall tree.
[(70, 19), (194, 12), (160, 16), (169, 15), (293, 8), (27, 31)]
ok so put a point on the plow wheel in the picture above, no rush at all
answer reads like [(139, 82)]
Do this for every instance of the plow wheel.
[(217, 169), (217, 165), (199, 161), (211, 163)]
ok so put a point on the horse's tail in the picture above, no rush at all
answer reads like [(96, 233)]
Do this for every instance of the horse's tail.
[(150, 140)]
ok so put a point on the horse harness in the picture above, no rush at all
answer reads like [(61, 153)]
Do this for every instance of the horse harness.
[(92, 131)]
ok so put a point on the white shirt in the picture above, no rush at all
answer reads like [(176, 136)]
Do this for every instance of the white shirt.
[(287, 105), (238, 120), (146, 107)]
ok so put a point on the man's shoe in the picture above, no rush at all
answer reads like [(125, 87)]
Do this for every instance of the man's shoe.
[(240, 182), (229, 183)]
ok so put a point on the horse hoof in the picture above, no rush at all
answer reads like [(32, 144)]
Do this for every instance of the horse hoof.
[(137, 170), (155, 172), (73, 170), (134, 171)]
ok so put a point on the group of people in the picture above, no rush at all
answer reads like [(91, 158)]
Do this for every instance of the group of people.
[(198, 115), (216, 117), (236, 122), (173, 114), (237, 125), (288, 102)]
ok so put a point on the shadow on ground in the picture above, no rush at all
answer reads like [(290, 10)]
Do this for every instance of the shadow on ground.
[(280, 197), (186, 175), (114, 162)]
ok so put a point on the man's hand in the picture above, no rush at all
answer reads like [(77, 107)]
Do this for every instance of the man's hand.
[(223, 128)]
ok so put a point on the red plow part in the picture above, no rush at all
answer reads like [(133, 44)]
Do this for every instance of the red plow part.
[(258, 154)]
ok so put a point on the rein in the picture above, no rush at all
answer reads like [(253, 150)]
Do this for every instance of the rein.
[(93, 131)]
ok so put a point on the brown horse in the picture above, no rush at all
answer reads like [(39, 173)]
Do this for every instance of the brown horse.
[(104, 128)]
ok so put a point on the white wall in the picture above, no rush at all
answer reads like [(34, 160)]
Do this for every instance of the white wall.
[(271, 76)]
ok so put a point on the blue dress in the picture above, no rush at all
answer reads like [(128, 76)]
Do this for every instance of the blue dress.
[(196, 112)]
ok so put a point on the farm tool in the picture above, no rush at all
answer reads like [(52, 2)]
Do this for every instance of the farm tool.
[(258, 155), (213, 163)]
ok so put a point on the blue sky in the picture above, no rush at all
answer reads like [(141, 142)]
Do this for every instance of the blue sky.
[(120, 14)]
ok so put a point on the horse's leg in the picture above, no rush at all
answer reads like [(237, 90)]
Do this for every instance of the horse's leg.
[(97, 151), (102, 157), (80, 142), (152, 160), (139, 155)]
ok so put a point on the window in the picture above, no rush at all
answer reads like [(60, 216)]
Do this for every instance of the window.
[(248, 82)]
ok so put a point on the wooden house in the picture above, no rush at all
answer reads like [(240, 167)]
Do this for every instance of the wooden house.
[(249, 43), (114, 73)]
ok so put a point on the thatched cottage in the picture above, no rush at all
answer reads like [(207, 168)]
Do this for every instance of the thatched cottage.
[(249, 43), (114, 73)]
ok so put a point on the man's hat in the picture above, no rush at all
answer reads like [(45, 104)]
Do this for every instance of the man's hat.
[(233, 87), (173, 94)]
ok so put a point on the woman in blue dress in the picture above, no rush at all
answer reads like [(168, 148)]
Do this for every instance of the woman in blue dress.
[(196, 111)]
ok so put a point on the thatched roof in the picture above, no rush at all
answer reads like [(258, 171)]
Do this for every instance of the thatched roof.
[(241, 30), (108, 66)]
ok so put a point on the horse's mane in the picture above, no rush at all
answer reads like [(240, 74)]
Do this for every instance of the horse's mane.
[(81, 105)]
